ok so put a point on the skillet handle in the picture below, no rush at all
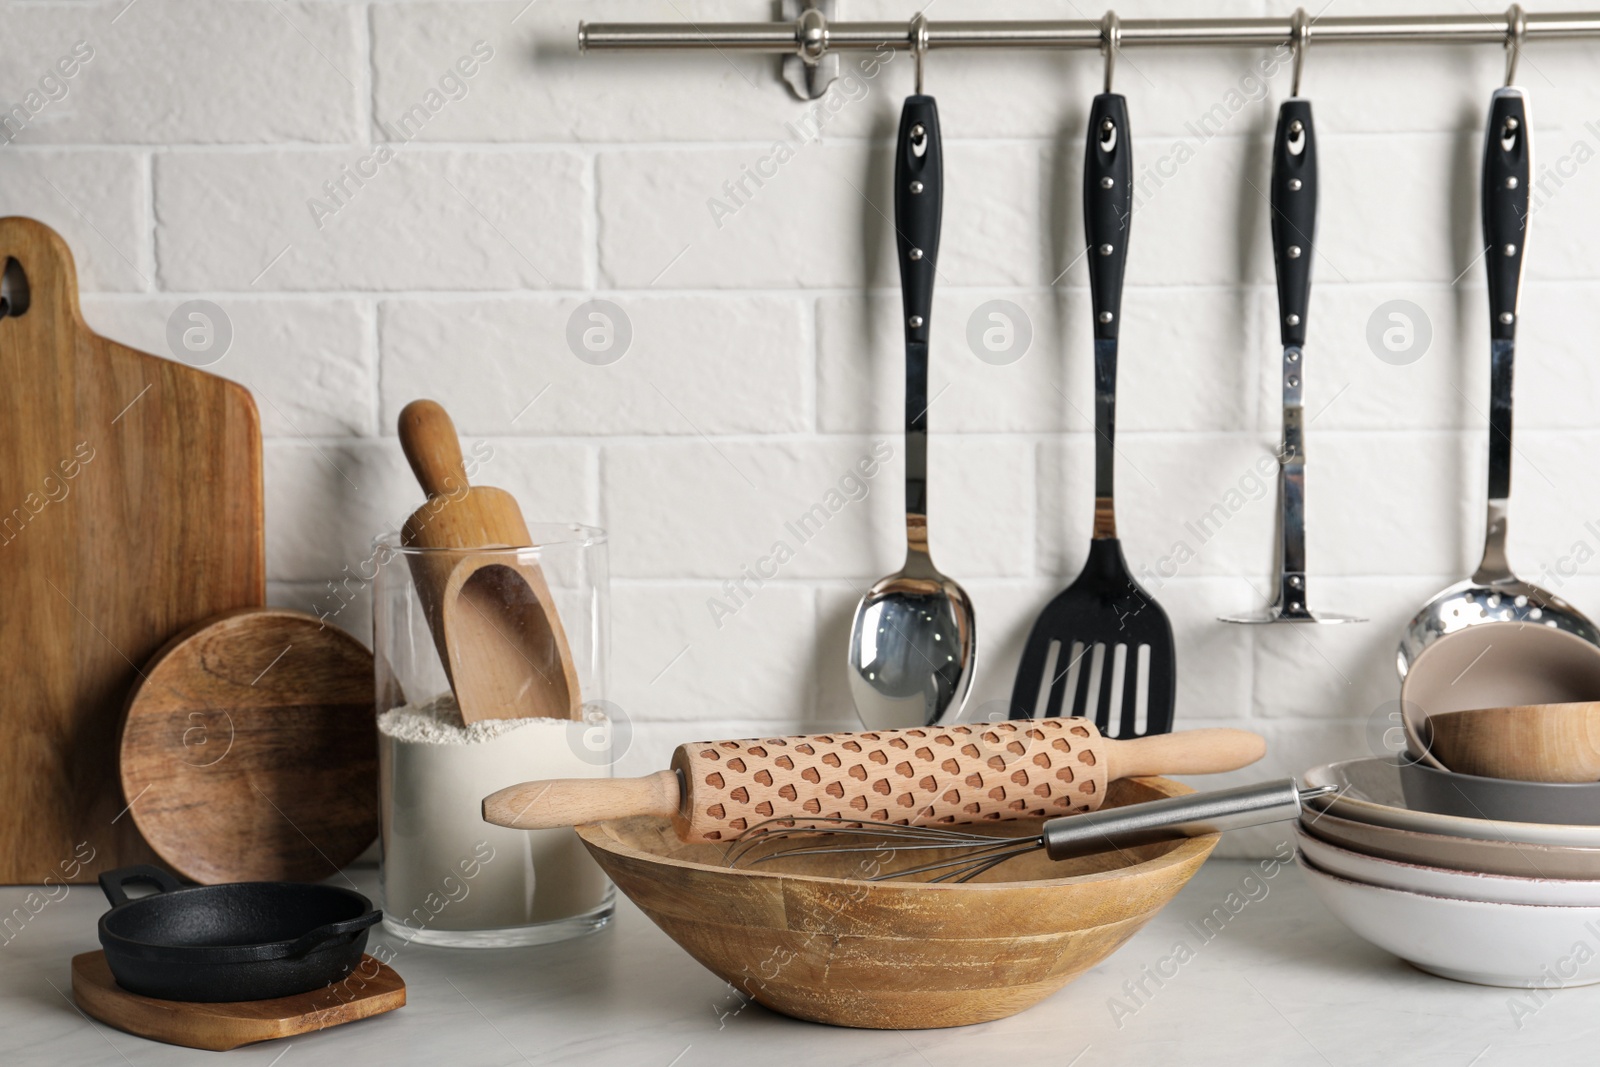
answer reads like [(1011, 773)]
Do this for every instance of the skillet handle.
[(112, 883), (330, 931)]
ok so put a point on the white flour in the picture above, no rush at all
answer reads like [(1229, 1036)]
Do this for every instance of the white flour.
[(444, 868)]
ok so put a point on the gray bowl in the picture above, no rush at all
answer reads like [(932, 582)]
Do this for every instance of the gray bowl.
[(1469, 796)]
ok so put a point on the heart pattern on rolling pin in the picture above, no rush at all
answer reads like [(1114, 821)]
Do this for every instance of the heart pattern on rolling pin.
[(938, 774)]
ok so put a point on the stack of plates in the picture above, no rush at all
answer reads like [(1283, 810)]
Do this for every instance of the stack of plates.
[(1477, 900)]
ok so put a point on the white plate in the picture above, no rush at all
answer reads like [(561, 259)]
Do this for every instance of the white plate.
[(1370, 792), (1475, 941), (1439, 881)]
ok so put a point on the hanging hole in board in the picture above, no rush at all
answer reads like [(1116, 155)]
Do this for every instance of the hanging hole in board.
[(13, 289)]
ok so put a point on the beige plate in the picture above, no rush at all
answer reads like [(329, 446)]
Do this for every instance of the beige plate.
[(1412, 877), (1369, 791), (1456, 853)]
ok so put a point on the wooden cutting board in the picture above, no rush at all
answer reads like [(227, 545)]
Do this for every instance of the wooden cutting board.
[(251, 746), (130, 508)]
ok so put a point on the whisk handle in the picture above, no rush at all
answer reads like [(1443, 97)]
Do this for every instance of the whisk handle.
[(574, 801), (1173, 818)]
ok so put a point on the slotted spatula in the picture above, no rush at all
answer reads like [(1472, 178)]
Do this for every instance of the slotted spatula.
[(1103, 638)]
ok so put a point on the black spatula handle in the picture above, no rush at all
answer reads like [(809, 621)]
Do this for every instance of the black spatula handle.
[(1107, 208), (1294, 216)]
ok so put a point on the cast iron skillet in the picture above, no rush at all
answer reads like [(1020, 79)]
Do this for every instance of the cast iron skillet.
[(242, 941)]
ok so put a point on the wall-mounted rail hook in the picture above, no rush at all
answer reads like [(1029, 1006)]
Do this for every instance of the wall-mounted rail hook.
[(1299, 41), (1516, 33), (1110, 42), (813, 67), (917, 33)]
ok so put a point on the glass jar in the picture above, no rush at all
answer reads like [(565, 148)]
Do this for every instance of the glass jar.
[(448, 877)]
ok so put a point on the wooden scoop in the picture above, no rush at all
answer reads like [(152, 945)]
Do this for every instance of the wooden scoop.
[(492, 616), (1532, 743), (926, 776)]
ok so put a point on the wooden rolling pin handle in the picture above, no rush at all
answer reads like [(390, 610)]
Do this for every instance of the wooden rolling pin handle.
[(1188, 752), (434, 450), (573, 801)]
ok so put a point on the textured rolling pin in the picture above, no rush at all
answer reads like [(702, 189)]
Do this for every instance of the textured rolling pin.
[(926, 776)]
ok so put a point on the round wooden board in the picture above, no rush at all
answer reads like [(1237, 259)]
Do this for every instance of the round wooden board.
[(249, 751)]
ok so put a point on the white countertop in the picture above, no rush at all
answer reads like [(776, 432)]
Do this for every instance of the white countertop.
[(1282, 984)]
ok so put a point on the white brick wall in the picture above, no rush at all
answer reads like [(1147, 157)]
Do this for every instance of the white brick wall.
[(188, 157)]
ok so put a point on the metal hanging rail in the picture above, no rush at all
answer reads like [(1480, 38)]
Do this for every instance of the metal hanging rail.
[(812, 36)]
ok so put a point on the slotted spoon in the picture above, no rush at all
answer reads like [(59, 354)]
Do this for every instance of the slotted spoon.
[(1103, 638)]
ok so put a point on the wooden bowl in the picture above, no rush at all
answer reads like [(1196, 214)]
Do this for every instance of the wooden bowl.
[(1533, 743), (802, 939)]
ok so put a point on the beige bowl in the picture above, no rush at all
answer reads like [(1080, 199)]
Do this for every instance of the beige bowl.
[(1495, 665), (804, 941)]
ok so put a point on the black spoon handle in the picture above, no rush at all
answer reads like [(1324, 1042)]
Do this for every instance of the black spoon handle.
[(918, 202), (1107, 219), (1507, 166)]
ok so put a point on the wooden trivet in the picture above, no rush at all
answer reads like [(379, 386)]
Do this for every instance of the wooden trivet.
[(371, 989)]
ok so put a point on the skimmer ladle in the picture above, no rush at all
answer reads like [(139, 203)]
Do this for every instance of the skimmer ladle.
[(1494, 593)]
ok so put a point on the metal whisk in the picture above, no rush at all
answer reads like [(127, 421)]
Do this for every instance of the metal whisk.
[(1061, 838)]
